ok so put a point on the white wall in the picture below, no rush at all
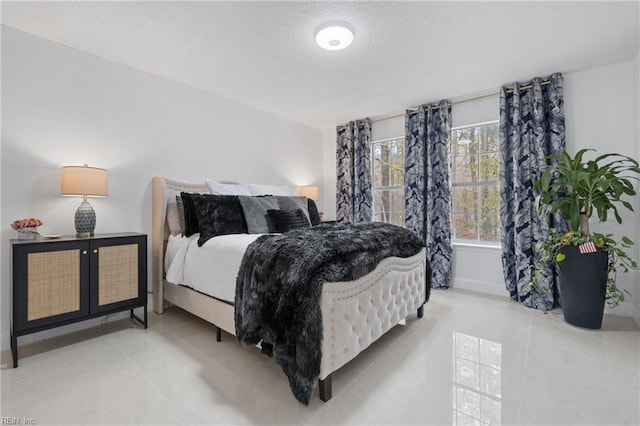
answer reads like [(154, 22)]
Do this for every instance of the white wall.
[(636, 292), (328, 196), (64, 107), (602, 112)]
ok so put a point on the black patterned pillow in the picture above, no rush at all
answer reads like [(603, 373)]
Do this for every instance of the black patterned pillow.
[(314, 216), (190, 215), (287, 220), (294, 203), (218, 215)]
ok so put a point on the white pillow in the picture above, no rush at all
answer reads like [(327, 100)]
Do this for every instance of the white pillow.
[(273, 189), (219, 188)]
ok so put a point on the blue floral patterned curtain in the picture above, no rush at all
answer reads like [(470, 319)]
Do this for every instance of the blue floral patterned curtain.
[(531, 127), (427, 197), (353, 197)]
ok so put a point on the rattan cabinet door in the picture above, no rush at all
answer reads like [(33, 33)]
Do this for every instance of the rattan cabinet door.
[(118, 273), (50, 284)]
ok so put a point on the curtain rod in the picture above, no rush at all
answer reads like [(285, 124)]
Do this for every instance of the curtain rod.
[(461, 101)]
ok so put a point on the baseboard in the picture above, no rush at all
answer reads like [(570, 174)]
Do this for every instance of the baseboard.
[(624, 309), (5, 343), (496, 289)]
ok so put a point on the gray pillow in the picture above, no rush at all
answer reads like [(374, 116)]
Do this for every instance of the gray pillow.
[(255, 212), (173, 218), (180, 213), (294, 203)]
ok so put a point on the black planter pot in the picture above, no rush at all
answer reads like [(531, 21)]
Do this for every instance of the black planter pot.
[(583, 286)]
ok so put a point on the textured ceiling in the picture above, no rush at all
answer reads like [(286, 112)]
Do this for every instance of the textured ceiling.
[(404, 53)]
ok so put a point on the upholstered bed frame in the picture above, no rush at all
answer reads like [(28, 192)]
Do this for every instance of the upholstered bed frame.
[(354, 314)]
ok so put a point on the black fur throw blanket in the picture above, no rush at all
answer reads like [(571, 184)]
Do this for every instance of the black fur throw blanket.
[(280, 282)]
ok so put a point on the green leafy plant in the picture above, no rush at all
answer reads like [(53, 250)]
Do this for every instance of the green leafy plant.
[(578, 188)]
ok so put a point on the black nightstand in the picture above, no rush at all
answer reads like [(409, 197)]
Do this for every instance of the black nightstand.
[(66, 280)]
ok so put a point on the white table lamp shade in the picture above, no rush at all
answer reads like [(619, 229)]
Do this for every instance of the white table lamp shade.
[(84, 180), (309, 192)]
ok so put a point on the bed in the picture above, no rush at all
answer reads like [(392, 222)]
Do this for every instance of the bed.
[(354, 314)]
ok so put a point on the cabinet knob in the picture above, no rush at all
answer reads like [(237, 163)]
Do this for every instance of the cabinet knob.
[(84, 252), (95, 250)]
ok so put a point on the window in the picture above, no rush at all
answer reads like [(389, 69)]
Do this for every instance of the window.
[(388, 181), (475, 165)]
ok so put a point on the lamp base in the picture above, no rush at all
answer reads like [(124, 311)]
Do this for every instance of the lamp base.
[(85, 220), (85, 234)]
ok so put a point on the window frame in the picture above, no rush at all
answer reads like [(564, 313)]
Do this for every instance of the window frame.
[(491, 183), (387, 188)]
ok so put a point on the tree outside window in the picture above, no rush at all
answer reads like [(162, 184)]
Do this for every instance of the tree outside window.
[(475, 167), (388, 181)]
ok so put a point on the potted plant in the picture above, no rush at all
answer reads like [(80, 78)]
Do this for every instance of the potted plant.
[(588, 262)]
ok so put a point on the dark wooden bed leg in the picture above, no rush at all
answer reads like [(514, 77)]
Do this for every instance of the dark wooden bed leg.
[(421, 311), (325, 388), (218, 334)]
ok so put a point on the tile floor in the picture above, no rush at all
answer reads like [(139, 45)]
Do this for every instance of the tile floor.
[(472, 359)]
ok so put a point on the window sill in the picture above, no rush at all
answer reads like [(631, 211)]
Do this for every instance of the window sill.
[(476, 246)]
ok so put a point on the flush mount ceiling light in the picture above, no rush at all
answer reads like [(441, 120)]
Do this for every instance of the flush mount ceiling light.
[(334, 35)]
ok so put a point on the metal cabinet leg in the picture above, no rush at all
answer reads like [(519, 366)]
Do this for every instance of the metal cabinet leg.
[(138, 319)]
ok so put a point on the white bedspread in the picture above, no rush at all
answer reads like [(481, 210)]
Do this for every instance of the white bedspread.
[(211, 269), (173, 245)]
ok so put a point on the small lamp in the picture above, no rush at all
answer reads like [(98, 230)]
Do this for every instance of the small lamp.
[(87, 182), (309, 192)]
